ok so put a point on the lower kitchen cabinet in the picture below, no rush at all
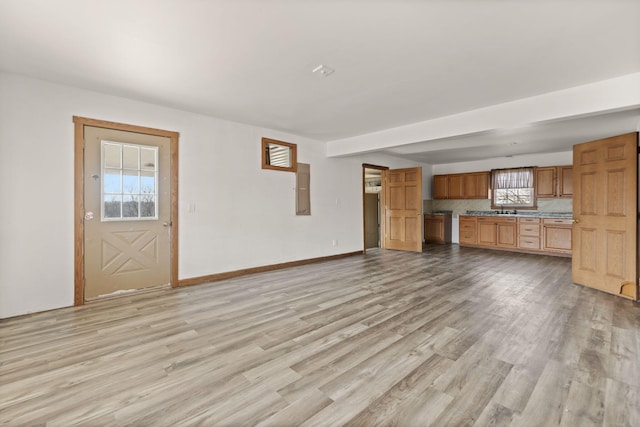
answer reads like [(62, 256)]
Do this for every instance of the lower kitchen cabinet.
[(486, 231), (506, 234), (467, 230), (497, 231), (551, 236), (529, 233), (557, 235), (437, 228)]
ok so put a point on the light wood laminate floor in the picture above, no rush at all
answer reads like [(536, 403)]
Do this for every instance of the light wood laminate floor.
[(450, 337)]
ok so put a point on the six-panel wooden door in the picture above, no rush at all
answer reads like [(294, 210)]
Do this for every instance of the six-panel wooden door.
[(403, 209), (605, 211)]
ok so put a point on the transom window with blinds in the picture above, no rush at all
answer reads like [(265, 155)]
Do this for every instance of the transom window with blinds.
[(513, 188)]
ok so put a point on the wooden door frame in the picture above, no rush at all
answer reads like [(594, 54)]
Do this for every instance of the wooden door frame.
[(364, 220), (79, 125)]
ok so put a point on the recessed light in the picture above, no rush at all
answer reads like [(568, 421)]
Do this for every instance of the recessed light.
[(323, 70)]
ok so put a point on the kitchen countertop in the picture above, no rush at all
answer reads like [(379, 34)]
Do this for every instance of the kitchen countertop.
[(531, 214)]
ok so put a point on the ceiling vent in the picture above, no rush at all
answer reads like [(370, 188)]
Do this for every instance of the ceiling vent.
[(323, 70)]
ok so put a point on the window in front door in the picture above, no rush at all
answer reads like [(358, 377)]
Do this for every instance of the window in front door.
[(129, 187)]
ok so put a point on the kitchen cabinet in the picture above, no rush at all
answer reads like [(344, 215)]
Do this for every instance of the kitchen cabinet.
[(551, 236), (545, 182), (440, 186), (455, 186), (557, 235), (506, 234), (497, 231), (565, 185), (529, 233), (473, 185), (554, 181), (476, 185), (467, 230), (486, 231), (437, 228)]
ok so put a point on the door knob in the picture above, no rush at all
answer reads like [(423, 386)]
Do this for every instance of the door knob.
[(167, 224), (575, 221)]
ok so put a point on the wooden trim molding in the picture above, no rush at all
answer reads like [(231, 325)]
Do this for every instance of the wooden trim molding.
[(261, 269), (79, 125), (78, 222), (293, 150)]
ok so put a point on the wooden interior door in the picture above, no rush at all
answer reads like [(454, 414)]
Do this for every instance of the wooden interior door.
[(403, 209), (605, 211), (127, 218)]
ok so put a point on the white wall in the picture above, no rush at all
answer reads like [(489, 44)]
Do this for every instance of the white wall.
[(244, 215)]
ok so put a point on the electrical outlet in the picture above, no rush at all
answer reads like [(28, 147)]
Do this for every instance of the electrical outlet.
[(334, 242)]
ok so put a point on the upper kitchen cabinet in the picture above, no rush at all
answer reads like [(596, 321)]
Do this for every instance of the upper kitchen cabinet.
[(546, 182), (476, 185), (565, 186), (554, 181), (456, 186), (473, 185), (440, 186)]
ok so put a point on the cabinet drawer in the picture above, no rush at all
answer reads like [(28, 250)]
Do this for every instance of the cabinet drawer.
[(496, 219), (467, 224), (529, 220), (558, 221), (468, 237), (529, 230), (529, 242)]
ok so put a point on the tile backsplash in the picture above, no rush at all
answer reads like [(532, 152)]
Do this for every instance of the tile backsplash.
[(462, 206)]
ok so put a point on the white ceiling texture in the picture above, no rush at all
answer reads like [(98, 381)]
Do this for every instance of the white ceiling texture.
[(435, 81)]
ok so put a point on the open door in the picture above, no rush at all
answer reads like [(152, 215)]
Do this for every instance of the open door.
[(605, 213), (372, 199), (402, 205)]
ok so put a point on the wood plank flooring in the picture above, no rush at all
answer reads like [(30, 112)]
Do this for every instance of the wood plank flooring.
[(450, 337)]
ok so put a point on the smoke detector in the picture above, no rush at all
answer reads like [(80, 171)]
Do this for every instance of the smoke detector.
[(323, 70)]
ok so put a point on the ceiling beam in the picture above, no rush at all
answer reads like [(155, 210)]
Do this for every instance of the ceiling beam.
[(606, 96)]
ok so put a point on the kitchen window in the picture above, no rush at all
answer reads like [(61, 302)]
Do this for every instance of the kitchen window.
[(513, 188)]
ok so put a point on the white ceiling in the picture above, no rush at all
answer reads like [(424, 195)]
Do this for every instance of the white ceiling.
[(397, 62)]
